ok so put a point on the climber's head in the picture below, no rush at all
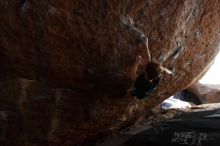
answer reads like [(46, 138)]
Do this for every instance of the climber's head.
[(153, 71)]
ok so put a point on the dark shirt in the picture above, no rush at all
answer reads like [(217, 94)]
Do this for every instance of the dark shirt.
[(143, 87)]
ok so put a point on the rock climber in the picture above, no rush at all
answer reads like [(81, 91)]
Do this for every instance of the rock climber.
[(149, 79)]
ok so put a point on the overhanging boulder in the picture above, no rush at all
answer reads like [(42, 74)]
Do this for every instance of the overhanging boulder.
[(73, 60)]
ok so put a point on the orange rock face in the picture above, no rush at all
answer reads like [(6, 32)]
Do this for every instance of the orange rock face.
[(65, 64)]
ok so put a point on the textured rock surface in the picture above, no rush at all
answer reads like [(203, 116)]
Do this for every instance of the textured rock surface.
[(64, 72), (206, 93)]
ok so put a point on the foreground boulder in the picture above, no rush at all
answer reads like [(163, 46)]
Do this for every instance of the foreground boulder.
[(65, 64)]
